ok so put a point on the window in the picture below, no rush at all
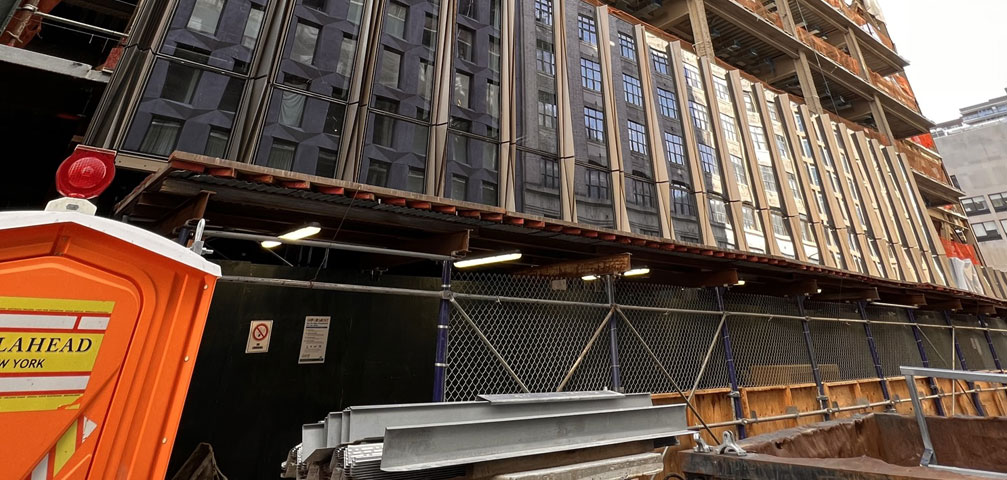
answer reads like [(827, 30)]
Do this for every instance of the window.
[(325, 166), (634, 94), (465, 37), (493, 101), (627, 46), (495, 54), (305, 41), (637, 137), (206, 16), (800, 123), (252, 26), (699, 117), (667, 103), (781, 146), (429, 30), (550, 173), (459, 187), (384, 131), (768, 178), (547, 110), (377, 173), (543, 11), (720, 87), (590, 75), (597, 184), (391, 62), (462, 84), (826, 157), (692, 76), (975, 205), (587, 31), (643, 193), (291, 109), (816, 179), (395, 24), (594, 120), (545, 58), (416, 180), (660, 60), (682, 202), (216, 143), (727, 124), (758, 137), (707, 159), (985, 231), (425, 72), (749, 103), (489, 193), (779, 225), (748, 217), (740, 172), (354, 10), (999, 201), (346, 50), (161, 137), (673, 149), (718, 211), (180, 83), (806, 147), (773, 114), (281, 154), (467, 8)]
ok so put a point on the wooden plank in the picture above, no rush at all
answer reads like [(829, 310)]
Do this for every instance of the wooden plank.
[(610, 265)]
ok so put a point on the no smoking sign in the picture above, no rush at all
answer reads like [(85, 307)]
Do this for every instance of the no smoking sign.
[(259, 333)]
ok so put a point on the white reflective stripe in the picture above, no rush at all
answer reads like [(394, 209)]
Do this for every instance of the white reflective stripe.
[(43, 384), (21, 320), (93, 323), (42, 469), (89, 427)]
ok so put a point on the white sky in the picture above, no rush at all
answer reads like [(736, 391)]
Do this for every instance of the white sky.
[(954, 49)]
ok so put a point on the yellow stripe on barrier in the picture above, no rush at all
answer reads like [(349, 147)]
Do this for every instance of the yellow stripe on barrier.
[(65, 446), (55, 305)]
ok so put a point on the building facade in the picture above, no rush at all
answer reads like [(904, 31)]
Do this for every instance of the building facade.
[(973, 147), (744, 126)]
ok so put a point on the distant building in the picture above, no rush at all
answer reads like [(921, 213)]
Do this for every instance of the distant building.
[(975, 153)]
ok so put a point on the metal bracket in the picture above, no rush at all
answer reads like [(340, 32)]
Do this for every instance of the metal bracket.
[(734, 394), (927, 457), (730, 446), (197, 239), (447, 295), (701, 445)]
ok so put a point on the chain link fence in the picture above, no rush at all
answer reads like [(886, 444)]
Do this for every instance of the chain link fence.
[(566, 334)]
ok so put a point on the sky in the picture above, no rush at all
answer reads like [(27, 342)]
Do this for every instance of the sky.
[(955, 54)]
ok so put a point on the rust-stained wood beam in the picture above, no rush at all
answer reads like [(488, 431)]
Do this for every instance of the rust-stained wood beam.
[(610, 265), (953, 305), (444, 244), (194, 207), (715, 278), (853, 294), (785, 289), (979, 308), (904, 298)]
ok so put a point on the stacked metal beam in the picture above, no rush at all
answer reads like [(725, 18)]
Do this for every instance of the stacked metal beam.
[(440, 440)]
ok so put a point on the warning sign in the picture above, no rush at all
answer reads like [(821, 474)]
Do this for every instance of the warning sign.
[(314, 339), (47, 350), (259, 332)]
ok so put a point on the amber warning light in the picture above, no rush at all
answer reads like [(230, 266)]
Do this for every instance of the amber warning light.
[(86, 173)]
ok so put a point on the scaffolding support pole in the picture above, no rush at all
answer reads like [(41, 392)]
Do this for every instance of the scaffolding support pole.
[(613, 339), (823, 399), (926, 363), (989, 342), (961, 361), (872, 345), (443, 322), (732, 373)]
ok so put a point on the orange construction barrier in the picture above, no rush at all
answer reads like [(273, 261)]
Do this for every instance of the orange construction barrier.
[(99, 327)]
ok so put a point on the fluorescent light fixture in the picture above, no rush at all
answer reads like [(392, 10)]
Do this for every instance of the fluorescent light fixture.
[(497, 257), (636, 272), (739, 283), (303, 232), (894, 305), (818, 291), (589, 278), (267, 244)]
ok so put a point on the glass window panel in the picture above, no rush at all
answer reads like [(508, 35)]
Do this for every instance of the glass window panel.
[(395, 25), (281, 155), (305, 41), (590, 75), (627, 46), (161, 137), (326, 166), (667, 103), (391, 62), (538, 185), (587, 31), (216, 143), (252, 26), (634, 93), (206, 16)]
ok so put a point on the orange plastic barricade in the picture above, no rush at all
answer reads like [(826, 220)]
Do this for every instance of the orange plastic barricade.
[(99, 327)]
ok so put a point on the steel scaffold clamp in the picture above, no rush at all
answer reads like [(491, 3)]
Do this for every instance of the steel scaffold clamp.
[(701, 445), (729, 446)]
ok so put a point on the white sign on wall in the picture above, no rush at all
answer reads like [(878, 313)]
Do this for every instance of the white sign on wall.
[(259, 333), (314, 339)]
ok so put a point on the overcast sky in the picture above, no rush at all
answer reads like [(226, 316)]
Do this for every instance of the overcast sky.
[(955, 54)]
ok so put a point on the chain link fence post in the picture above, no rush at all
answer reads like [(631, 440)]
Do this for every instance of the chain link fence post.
[(732, 373), (926, 363), (961, 361), (862, 308), (613, 338), (823, 399), (443, 322)]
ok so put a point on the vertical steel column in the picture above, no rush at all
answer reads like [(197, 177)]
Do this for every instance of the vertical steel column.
[(732, 373), (961, 361), (926, 363), (862, 308), (823, 399), (443, 320), (613, 338)]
